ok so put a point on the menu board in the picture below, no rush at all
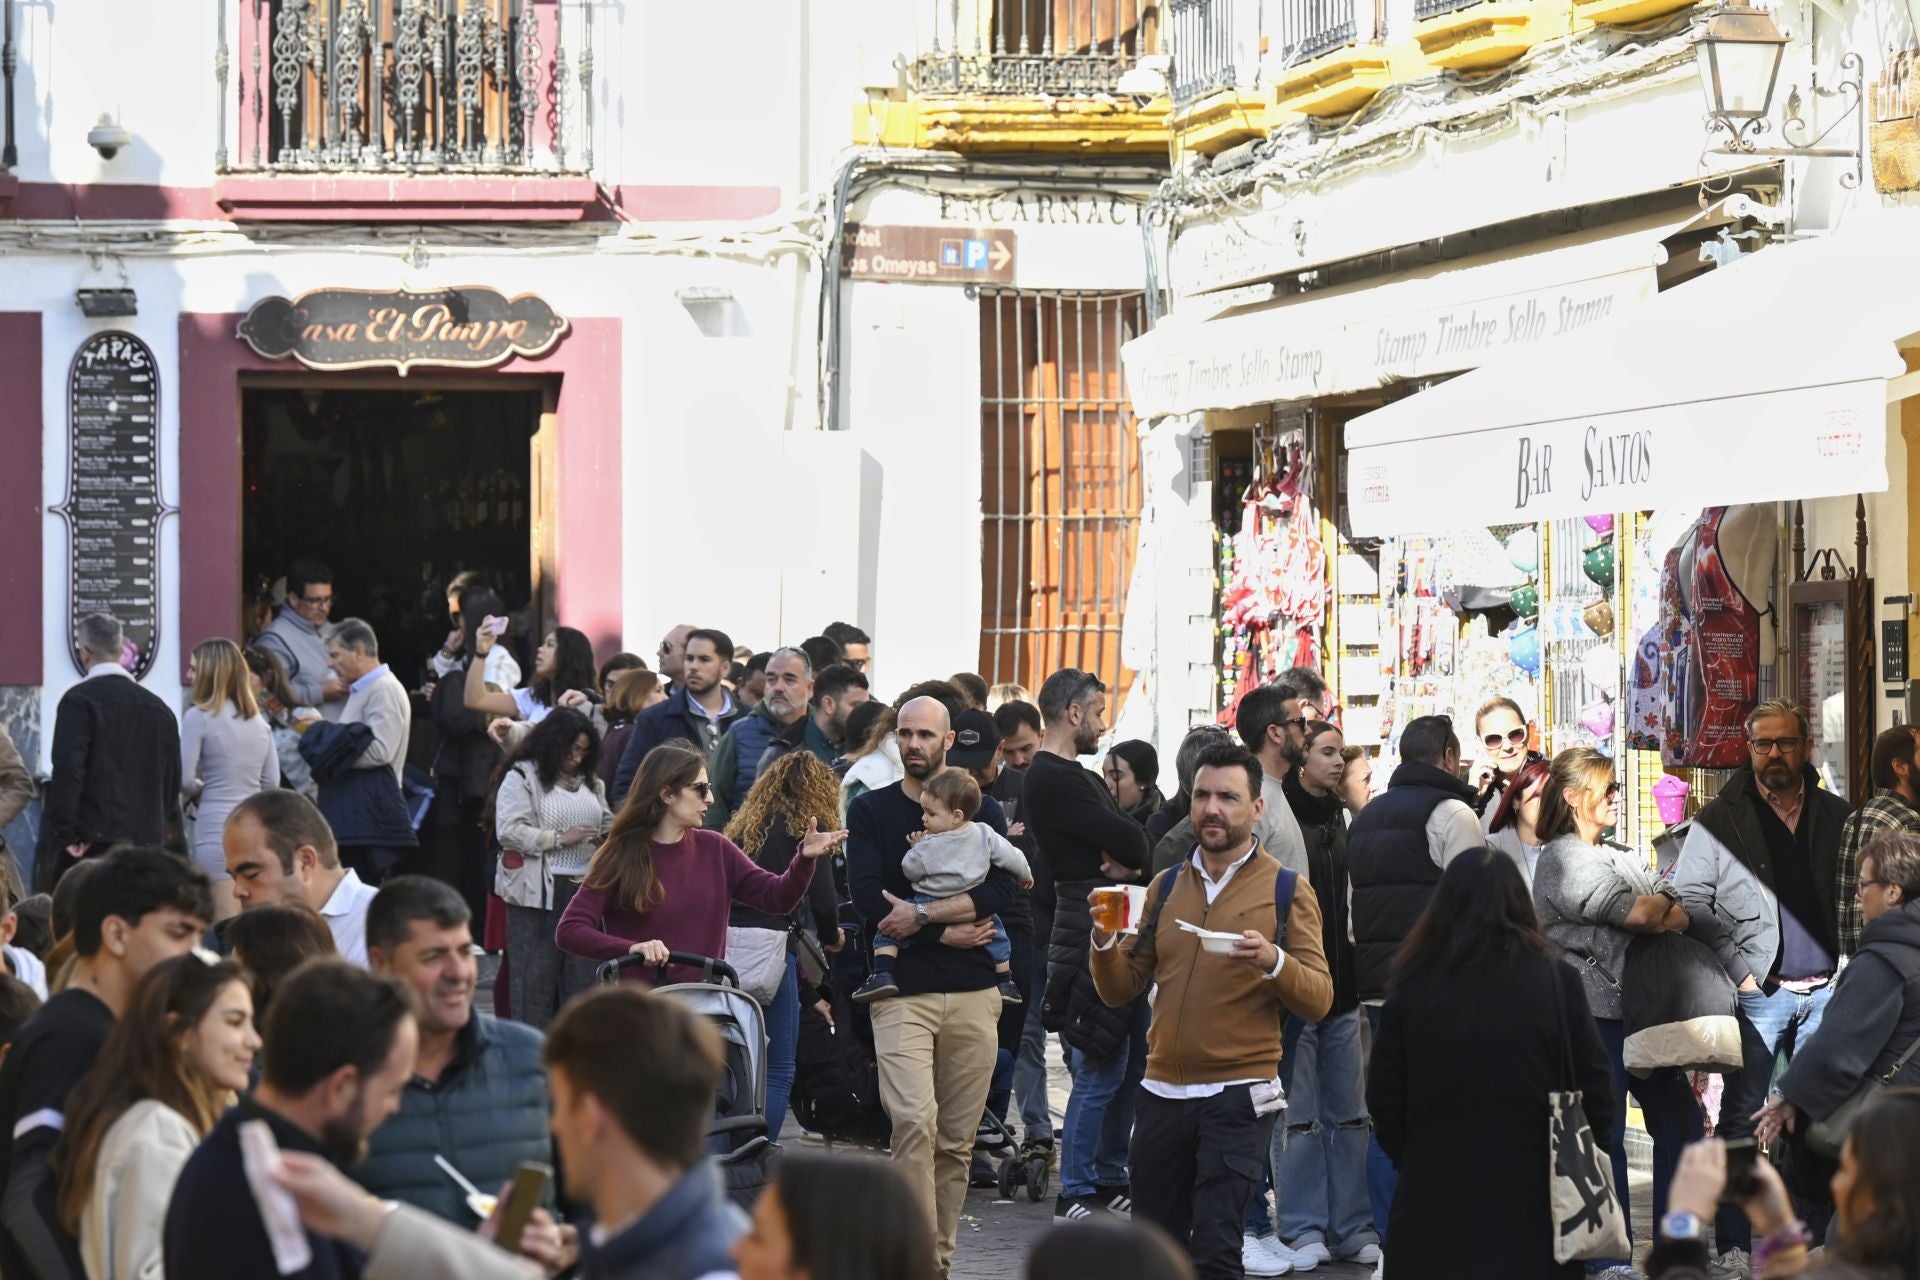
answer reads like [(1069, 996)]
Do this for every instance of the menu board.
[(113, 490)]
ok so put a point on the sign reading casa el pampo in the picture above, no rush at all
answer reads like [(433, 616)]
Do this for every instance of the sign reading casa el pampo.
[(465, 328)]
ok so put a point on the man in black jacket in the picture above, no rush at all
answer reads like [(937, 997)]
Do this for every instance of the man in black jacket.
[(1087, 841), (1757, 876), (1396, 849), (340, 1047), (698, 710), (116, 760)]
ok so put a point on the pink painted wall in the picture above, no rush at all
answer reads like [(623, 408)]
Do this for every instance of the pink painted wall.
[(588, 542), (21, 442)]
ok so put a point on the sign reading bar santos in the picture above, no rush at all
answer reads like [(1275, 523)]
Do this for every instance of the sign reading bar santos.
[(1815, 442), (466, 328)]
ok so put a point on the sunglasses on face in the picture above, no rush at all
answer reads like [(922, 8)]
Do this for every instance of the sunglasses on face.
[(703, 789), (1612, 792), (1512, 737)]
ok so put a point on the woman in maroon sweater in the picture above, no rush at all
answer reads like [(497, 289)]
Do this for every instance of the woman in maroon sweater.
[(661, 883)]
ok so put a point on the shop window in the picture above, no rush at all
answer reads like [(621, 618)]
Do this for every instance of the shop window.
[(1060, 484)]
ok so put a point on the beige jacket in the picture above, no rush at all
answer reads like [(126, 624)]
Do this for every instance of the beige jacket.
[(415, 1245)]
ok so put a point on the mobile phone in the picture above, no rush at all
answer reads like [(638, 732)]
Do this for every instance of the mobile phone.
[(497, 625), (523, 1197), (1742, 1155)]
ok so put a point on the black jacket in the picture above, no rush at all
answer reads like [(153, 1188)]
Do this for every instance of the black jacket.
[(1458, 1090), (1392, 868), (1323, 826), (116, 770), (464, 764), (1873, 1018), (676, 718), (1072, 1005), (363, 806)]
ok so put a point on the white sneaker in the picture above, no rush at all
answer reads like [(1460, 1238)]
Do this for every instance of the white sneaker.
[(1368, 1252), (1309, 1256), (1734, 1264), (1264, 1256)]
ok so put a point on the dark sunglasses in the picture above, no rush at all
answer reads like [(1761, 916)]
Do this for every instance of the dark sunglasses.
[(1512, 737), (704, 788)]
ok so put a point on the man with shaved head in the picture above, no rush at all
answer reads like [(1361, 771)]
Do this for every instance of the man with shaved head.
[(936, 1040)]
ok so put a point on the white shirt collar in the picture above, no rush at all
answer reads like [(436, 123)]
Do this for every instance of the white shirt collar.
[(108, 669), (1200, 864), (346, 894)]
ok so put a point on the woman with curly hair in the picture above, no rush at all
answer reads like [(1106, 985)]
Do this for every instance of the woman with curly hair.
[(563, 676), (548, 811), (789, 798)]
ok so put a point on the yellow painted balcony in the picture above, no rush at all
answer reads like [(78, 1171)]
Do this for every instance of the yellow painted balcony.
[(1474, 37), (1334, 84), (1063, 76), (1616, 13)]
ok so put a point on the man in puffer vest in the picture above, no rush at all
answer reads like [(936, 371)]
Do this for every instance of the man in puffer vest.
[(1204, 1116), (478, 1095)]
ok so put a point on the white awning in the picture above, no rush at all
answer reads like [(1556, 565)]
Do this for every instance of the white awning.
[(1764, 380), (1440, 319)]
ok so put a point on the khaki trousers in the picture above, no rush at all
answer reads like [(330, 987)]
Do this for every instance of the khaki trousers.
[(936, 1055)]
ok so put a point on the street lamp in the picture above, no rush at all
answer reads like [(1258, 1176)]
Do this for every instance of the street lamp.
[(1739, 51)]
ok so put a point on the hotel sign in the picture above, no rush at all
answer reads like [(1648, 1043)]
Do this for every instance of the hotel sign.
[(466, 328)]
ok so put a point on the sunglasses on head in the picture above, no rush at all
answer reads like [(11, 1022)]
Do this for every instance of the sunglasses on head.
[(1512, 737)]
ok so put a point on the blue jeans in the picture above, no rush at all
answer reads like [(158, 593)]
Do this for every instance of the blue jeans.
[(1764, 1022), (1100, 1111), (1382, 1178), (1668, 1108), (1030, 1070), (1320, 1159), (998, 947), (783, 1035)]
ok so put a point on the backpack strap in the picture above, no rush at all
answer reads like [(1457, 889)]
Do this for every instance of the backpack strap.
[(1284, 885)]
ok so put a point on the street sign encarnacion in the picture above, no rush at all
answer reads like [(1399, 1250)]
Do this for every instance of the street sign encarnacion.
[(928, 255)]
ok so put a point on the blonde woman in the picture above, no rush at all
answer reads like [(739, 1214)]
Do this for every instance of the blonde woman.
[(226, 754), (1593, 898)]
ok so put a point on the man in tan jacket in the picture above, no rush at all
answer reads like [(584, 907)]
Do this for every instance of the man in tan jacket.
[(1206, 1108)]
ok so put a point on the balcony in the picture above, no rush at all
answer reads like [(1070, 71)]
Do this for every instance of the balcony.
[(1473, 35), (1216, 62), (1332, 59), (1028, 75), (404, 109)]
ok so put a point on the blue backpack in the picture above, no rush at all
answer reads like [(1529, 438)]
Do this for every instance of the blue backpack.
[(1283, 888)]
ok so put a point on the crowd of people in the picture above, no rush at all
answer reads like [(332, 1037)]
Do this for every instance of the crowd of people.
[(1305, 1020)]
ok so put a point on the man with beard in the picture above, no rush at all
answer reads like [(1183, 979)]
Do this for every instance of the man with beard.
[(340, 1048), (1274, 727), (1757, 876), (1205, 1114), (736, 760), (478, 1094), (1086, 842), (936, 1040), (698, 710)]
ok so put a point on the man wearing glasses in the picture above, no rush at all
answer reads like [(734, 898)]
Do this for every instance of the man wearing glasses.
[(1274, 727), (298, 637), (856, 646), (1758, 875)]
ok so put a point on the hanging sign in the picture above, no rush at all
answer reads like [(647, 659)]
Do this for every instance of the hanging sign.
[(113, 507), (465, 328)]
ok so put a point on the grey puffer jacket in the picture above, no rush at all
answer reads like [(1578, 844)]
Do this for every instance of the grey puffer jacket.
[(1584, 893), (1873, 1018)]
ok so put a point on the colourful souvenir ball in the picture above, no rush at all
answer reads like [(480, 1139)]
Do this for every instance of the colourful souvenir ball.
[(1602, 525), (1525, 600), (1523, 550), (1523, 646), (1598, 563)]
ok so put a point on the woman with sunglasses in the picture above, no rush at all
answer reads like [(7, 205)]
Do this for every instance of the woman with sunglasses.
[(1502, 729), (1593, 897), (662, 883)]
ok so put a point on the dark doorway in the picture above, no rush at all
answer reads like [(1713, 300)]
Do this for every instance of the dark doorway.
[(395, 491)]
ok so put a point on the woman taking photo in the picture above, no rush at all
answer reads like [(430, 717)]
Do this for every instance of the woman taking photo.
[(226, 754), (660, 883), (171, 1066), (1514, 828), (791, 795), (1593, 898), (1131, 769), (1502, 729), (563, 676), (1481, 1023), (803, 1228), (548, 814)]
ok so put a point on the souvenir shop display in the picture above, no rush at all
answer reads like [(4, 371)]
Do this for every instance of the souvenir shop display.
[(1273, 591)]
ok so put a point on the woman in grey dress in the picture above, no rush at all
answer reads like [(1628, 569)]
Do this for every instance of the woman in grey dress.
[(226, 754)]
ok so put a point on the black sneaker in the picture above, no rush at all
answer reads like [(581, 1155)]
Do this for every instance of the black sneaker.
[(1116, 1199), (1010, 993), (1074, 1208), (878, 986)]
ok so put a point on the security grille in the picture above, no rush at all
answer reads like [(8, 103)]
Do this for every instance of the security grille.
[(1060, 483)]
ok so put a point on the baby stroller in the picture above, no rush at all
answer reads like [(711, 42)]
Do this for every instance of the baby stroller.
[(737, 1139)]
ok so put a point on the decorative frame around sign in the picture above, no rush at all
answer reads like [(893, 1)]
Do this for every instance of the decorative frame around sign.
[(266, 326), (66, 508)]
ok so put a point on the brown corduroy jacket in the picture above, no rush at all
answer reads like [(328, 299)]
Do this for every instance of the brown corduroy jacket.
[(1216, 1019)]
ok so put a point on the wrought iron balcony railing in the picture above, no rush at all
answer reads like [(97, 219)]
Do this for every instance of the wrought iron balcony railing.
[(1034, 48), (1434, 8), (418, 86), (1309, 28), (9, 63), (1202, 39)]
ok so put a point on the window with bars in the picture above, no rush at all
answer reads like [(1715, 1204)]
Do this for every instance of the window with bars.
[(1060, 484)]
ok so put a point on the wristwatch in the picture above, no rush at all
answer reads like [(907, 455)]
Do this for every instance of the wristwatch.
[(920, 916), (1682, 1225)]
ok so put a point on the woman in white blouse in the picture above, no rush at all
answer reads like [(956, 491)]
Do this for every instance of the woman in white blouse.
[(226, 755), (563, 676), (171, 1067), (549, 814)]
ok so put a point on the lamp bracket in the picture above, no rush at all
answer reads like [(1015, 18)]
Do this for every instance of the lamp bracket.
[(1742, 134)]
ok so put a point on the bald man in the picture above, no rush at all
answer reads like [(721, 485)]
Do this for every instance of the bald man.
[(936, 1040), (673, 652)]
